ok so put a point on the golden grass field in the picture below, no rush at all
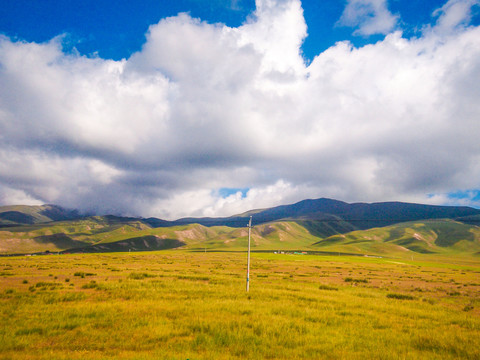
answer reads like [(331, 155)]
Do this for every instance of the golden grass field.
[(186, 305)]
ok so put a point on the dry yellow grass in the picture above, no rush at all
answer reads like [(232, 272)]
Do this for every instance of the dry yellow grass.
[(181, 305)]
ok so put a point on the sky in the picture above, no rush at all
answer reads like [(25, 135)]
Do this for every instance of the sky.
[(212, 108)]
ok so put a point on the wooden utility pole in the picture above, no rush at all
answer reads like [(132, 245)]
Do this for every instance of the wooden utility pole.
[(248, 256)]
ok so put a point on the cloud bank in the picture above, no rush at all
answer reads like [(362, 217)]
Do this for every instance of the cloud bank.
[(368, 16), (205, 107)]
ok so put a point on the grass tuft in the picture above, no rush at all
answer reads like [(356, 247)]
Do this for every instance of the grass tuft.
[(140, 276), (91, 285), (327, 287), (353, 280), (400, 296)]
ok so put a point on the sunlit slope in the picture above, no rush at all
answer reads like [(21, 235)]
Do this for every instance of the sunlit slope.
[(425, 237), (278, 235), (27, 215), (104, 234), (271, 236), (62, 235), (112, 234)]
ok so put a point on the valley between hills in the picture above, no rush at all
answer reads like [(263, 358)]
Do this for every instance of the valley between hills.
[(378, 281), (392, 229)]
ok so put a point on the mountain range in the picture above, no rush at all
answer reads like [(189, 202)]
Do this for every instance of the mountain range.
[(326, 225), (27, 215)]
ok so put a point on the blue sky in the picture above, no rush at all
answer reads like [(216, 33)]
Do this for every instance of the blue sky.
[(211, 108), (116, 29)]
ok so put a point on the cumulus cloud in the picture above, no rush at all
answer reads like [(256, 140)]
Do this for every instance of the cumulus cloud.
[(203, 107), (454, 14), (369, 17)]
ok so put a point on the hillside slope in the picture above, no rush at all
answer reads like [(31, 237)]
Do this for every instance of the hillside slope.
[(326, 217), (98, 234), (107, 234), (62, 235), (27, 215), (422, 237), (322, 224)]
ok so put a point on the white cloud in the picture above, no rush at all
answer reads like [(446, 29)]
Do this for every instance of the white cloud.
[(276, 31), (14, 196), (265, 196), (454, 14), (368, 16), (203, 107)]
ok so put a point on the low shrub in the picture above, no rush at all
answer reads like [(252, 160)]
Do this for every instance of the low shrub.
[(400, 296), (139, 276), (46, 284), (327, 287), (91, 285), (83, 274), (349, 279)]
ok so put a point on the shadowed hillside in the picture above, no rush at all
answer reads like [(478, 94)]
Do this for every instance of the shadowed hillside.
[(358, 215), (323, 224), (141, 243), (104, 234), (424, 237), (28, 215)]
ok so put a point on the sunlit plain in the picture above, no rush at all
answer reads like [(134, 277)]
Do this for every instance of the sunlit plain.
[(193, 305)]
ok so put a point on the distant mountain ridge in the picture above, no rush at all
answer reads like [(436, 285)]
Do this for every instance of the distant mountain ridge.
[(324, 225), (359, 215), (28, 215), (348, 216)]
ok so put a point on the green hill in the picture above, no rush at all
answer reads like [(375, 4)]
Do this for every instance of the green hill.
[(423, 237), (313, 231), (96, 234), (63, 235), (27, 215), (339, 216)]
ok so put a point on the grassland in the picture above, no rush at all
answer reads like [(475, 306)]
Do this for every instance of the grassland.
[(439, 237), (184, 305), (109, 234), (117, 236)]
